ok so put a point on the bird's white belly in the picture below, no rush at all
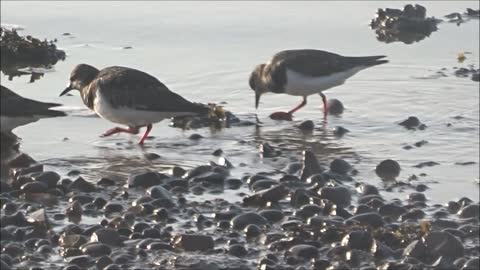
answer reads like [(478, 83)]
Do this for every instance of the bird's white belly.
[(8, 123), (128, 116), (303, 85)]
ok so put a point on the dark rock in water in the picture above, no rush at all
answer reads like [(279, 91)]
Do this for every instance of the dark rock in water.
[(416, 249), (243, 220), (340, 131), (49, 178), (338, 195), (470, 211), (72, 240), (361, 240), (444, 244), (106, 182), (369, 219), (217, 152), (308, 211), (178, 171), (472, 264), (152, 156), (21, 161), (303, 251), (34, 187), (111, 207), (195, 137), (476, 76), (306, 125), (210, 178), (366, 189), (233, 183), (340, 166), (237, 250), (193, 242), (252, 230), (81, 185), (267, 151), (272, 215), (26, 51), (417, 197), (159, 192), (146, 179), (96, 250), (310, 165), (426, 164), (334, 106), (261, 198), (391, 210), (199, 171), (410, 123), (106, 236), (408, 25), (388, 169)]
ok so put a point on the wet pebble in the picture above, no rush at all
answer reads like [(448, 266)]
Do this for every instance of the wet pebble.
[(241, 221), (470, 211), (96, 250), (49, 178), (310, 165), (444, 244), (195, 137), (306, 125), (339, 195), (106, 236), (272, 215), (388, 169), (335, 106), (193, 242), (411, 122), (237, 250), (159, 192), (303, 251), (146, 179), (81, 185), (152, 156), (361, 240), (340, 166), (34, 187), (369, 219), (340, 131)]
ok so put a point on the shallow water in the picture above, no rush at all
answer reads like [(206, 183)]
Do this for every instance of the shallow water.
[(205, 52)]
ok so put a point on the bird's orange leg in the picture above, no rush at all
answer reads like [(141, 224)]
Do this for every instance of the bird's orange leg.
[(145, 135), (325, 109), (116, 130)]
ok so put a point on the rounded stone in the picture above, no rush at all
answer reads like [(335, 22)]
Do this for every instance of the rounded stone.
[(388, 169), (243, 220), (361, 240), (237, 250), (106, 236), (193, 242), (96, 250), (307, 252), (338, 195), (34, 187), (444, 244), (306, 125), (369, 219), (252, 230), (335, 106), (340, 166), (470, 211)]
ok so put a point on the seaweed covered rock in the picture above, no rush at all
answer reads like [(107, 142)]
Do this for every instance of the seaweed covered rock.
[(19, 52), (408, 25), (217, 118)]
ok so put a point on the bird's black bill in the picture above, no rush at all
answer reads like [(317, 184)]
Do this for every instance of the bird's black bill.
[(68, 89), (257, 99)]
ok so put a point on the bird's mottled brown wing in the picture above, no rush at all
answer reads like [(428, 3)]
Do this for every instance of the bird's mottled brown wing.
[(311, 62), (125, 87)]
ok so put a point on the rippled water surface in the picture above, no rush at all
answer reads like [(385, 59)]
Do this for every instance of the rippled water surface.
[(205, 52)]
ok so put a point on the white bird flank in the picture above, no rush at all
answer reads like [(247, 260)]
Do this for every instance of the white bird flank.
[(303, 85), (129, 116)]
